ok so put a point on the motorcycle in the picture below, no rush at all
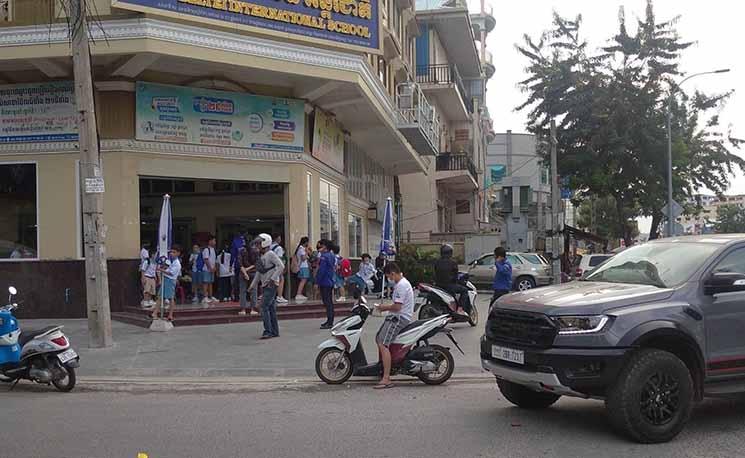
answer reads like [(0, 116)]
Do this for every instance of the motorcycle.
[(434, 301), (42, 355), (342, 356)]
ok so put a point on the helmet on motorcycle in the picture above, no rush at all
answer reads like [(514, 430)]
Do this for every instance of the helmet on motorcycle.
[(265, 240), (446, 251)]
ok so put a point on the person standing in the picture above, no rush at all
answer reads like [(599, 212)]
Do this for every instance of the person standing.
[(171, 272), (279, 250), (248, 255), (269, 270), (303, 268), (325, 280), (503, 277), (209, 256), (239, 241), (197, 266), (225, 273), (148, 270)]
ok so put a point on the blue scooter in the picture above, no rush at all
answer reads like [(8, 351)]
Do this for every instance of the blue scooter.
[(41, 355)]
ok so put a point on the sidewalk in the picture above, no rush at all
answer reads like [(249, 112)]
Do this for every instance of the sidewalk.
[(233, 350)]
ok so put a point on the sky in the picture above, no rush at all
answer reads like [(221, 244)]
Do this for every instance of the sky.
[(714, 25)]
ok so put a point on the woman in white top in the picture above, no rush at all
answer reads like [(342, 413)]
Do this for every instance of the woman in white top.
[(303, 274), (225, 273)]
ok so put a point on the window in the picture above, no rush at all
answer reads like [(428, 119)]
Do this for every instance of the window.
[(597, 260), (734, 262), (383, 71), (514, 260), (525, 197), (462, 207), (355, 236), (309, 204), (486, 261), (18, 218), (329, 201)]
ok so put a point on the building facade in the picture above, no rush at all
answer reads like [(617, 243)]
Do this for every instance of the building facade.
[(703, 221), (452, 68), (281, 117), (519, 191)]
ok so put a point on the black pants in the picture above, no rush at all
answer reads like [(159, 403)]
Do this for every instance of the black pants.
[(460, 292), (497, 294), (327, 296), (224, 287)]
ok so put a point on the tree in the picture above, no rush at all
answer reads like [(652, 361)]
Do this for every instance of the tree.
[(730, 220), (611, 105), (598, 217)]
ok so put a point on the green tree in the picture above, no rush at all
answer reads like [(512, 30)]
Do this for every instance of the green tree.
[(610, 105), (730, 220), (599, 215)]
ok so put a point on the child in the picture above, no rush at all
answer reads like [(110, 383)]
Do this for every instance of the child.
[(197, 265), (363, 278), (147, 273), (303, 272), (209, 258), (225, 267), (171, 272), (345, 271)]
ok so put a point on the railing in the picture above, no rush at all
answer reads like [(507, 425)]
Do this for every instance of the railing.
[(443, 74), (413, 108), (454, 162)]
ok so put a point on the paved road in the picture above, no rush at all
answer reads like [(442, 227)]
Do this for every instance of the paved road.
[(467, 419)]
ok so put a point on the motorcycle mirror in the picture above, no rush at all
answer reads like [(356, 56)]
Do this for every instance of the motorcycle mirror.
[(12, 290)]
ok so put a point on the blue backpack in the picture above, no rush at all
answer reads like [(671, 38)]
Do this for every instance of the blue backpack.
[(200, 261)]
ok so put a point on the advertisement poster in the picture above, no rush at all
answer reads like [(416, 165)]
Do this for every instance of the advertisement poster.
[(207, 117), (40, 112), (495, 175), (350, 24), (328, 141)]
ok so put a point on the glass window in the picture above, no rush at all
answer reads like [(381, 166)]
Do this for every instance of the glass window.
[(514, 260), (486, 261), (334, 205), (162, 186), (355, 235), (222, 186), (462, 207), (309, 204), (18, 218), (532, 258), (597, 260), (184, 186), (733, 262), (329, 202)]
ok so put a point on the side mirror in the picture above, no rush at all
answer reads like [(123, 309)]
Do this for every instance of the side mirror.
[(724, 282)]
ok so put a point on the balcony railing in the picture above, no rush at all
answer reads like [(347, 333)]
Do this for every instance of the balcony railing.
[(417, 119), (455, 162), (443, 74)]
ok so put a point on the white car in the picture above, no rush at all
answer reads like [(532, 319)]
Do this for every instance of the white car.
[(587, 263)]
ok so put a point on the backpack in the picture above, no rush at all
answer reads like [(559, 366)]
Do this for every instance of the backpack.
[(294, 264), (345, 268), (200, 261)]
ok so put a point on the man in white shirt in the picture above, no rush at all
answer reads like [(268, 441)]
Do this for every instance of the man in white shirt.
[(209, 255), (400, 315), (277, 248)]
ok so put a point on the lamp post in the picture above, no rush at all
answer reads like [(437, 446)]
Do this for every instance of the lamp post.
[(670, 147)]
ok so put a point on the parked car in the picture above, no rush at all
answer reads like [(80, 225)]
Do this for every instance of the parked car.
[(587, 263), (528, 270), (651, 331)]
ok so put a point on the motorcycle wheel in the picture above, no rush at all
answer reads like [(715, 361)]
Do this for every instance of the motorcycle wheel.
[(473, 317), (66, 384), (428, 311), (331, 369), (445, 367)]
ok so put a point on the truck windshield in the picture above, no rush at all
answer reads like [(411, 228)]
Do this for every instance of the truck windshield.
[(664, 265)]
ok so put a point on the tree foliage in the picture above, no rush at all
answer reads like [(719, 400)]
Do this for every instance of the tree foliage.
[(599, 215), (611, 106), (730, 220)]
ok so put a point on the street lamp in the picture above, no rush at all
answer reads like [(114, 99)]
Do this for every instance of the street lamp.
[(670, 147)]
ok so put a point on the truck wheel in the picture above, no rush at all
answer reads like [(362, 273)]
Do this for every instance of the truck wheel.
[(525, 283), (525, 397), (652, 398)]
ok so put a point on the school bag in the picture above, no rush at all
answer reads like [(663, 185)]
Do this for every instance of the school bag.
[(345, 268), (200, 261), (294, 264)]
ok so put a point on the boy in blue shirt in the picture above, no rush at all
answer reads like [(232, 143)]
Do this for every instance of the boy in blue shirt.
[(503, 277), (325, 279)]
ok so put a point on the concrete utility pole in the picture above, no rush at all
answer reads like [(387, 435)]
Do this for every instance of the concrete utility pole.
[(91, 183), (557, 244)]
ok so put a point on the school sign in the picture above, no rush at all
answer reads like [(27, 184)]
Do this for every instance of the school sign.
[(349, 24)]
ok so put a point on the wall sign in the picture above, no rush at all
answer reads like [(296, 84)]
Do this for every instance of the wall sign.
[(40, 112), (345, 23), (207, 117), (328, 141)]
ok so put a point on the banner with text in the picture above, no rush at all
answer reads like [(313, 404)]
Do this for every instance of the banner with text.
[(328, 141), (40, 112), (343, 23), (208, 117)]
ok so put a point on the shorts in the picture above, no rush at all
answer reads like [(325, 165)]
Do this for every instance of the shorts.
[(196, 278), (390, 328), (148, 285), (169, 288), (304, 273), (338, 281), (207, 277)]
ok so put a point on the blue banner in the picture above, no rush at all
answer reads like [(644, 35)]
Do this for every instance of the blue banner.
[(341, 22)]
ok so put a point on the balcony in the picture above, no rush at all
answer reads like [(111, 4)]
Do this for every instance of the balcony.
[(487, 62), (483, 21), (457, 171), (444, 83), (417, 120)]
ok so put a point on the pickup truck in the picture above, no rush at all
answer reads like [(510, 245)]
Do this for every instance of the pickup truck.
[(651, 331)]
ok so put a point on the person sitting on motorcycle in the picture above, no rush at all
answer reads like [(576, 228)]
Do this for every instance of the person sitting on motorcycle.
[(400, 314), (446, 277)]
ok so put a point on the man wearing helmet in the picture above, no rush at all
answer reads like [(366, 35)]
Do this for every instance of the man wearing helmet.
[(269, 269), (446, 277)]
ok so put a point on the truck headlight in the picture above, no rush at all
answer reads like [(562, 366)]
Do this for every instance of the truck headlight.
[(580, 324)]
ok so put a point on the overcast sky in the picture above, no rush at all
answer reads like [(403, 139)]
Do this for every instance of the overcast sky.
[(715, 25)]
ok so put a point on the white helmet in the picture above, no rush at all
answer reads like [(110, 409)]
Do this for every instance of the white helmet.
[(265, 240)]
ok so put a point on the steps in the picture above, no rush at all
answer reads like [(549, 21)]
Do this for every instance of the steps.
[(188, 315)]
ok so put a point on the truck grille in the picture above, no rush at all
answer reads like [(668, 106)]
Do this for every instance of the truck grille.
[(521, 328)]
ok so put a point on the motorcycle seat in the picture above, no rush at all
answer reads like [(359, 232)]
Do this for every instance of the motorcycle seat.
[(412, 325), (28, 335)]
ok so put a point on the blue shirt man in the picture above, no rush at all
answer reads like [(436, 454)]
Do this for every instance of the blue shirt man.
[(503, 277)]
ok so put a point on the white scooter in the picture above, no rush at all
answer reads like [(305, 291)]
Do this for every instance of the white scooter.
[(342, 356), (434, 301)]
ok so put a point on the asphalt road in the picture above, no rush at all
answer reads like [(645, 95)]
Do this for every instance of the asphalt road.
[(460, 419)]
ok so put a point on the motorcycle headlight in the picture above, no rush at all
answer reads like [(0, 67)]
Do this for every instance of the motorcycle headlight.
[(580, 324)]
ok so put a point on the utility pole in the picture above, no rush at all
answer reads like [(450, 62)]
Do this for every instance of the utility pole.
[(91, 183), (557, 244)]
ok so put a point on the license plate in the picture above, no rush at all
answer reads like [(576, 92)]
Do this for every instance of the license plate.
[(67, 355), (508, 354)]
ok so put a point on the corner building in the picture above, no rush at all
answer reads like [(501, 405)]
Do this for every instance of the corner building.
[(287, 117)]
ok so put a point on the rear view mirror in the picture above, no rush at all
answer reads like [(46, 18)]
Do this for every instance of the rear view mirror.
[(724, 282)]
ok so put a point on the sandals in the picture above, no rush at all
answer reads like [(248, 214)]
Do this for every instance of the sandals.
[(383, 387)]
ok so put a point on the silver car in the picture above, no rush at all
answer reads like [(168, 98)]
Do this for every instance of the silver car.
[(528, 270)]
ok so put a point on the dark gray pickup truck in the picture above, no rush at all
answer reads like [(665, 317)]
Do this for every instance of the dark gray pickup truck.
[(651, 331)]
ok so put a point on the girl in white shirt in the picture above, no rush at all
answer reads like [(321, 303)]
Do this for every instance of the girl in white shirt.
[(225, 273), (303, 274)]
